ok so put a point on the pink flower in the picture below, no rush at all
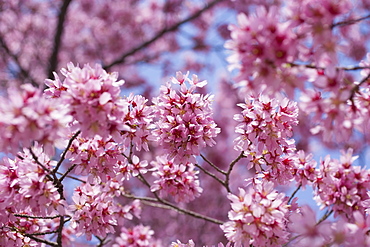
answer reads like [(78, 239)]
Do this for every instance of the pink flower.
[(184, 123), (265, 126), (257, 217), (92, 97), (177, 180), (341, 186), (138, 236)]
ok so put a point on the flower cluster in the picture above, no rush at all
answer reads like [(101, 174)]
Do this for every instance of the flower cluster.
[(342, 186), (138, 236), (138, 117), (97, 158), (258, 216), (27, 116), (95, 211), (93, 98), (178, 180), (264, 128), (184, 123), (25, 184), (260, 45)]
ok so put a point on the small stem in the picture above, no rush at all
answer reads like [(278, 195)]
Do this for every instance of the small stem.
[(325, 216), (42, 166), (294, 192), (169, 205), (211, 175), (40, 240), (72, 177), (36, 217), (350, 22), (231, 166), (213, 165), (181, 210), (62, 158), (68, 171)]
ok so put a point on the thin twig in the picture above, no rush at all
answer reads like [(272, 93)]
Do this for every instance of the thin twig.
[(36, 217), (160, 34), (325, 216), (35, 158), (294, 192), (312, 66), (62, 158), (211, 174), (350, 22), (181, 210), (40, 240), (68, 171), (72, 177), (213, 165), (231, 166)]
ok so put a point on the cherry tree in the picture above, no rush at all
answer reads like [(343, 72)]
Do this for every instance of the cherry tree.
[(99, 150)]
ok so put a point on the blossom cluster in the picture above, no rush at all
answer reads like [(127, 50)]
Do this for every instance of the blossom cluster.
[(138, 236), (258, 216), (260, 44), (184, 124), (27, 116), (265, 126), (178, 180), (93, 99), (96, 212), (342, 186)]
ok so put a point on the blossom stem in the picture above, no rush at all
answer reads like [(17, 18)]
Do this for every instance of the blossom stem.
[(294, 192), (213, 165), (62, 158), (231, 166), (211, 174), (174, 207), (350, 22)]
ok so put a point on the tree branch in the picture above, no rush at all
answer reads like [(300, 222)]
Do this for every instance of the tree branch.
[(232, 164), (160, 34), (53, 60), (350, 22)]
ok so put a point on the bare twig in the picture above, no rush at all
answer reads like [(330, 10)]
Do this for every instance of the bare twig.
[(213, 165), (350, 22), (36, 217), (67, 172), (164, 31), (294, 192), (211, 174), (53, 60), (174, 207), (325, 216), (63, 156), (312, 66), (232, 164)]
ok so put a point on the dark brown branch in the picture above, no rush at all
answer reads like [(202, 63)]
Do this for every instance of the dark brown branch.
[(160, 34), (36, 217), (350, 22), (211, 174), (213, 165), (62, 158), (40, 240), (181, 210), (231, 166), (53, 60)]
